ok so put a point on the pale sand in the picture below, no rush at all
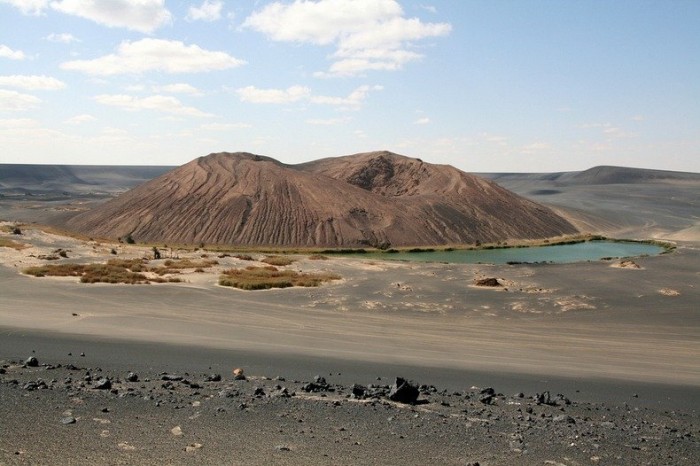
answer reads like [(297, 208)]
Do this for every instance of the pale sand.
[(593, 321)]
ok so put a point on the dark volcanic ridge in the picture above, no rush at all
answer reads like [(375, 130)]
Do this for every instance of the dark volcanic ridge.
[(377, 199)]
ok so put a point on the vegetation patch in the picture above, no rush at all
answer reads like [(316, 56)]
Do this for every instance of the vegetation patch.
[(114, 271), (318, 257), (264, 278), (171, 266), (8, 243), (279, 261)]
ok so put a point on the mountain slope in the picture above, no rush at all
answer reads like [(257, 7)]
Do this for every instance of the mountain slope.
[(376, 199)]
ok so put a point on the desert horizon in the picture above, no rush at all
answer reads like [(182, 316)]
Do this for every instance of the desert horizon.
[(614, 333)]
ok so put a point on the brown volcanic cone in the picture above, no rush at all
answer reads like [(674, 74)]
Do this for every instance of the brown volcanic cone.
[(376, 199)]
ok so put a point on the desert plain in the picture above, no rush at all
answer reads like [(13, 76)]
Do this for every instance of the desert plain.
[(586, 363)]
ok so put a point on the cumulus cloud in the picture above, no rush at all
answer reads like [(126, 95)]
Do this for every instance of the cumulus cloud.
[(63, 38), (326, 122), (43, 83), (353, 100), (608, 130), (161, 103), (28, 7), (80, 119), (273, 96), (18, 123), (144, 55), (138, 15), (7, 52), (297, 93), (367, 34), (225, 126), (209, 10), (178, 88), (15, 101), (536, 148)]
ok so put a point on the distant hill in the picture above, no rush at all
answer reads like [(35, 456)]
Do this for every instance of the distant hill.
[(375, 199), (74, 178), (599, 176), (46, 177)]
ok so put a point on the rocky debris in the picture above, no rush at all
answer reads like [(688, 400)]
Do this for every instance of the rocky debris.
[(132, 377), (404, 391), (318, 385), (546, 399), (488, 282), (359, 391), (31, 362), (103, 384), (628, 264), (514, 429), (487, 396), (193, 447), (213, 378), (564, 418), (37, 385), (238, 374)]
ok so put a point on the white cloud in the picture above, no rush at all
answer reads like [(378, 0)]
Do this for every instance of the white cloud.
[(353, 100), (155, 55), (297, 93), (161, 103), (44, 83), (178, 88), (210, 10), (536, 148), (7, 52), (225, 126), (273, 96), (326, 122), (63, 38), (80, 119), (422, 121), (138, 15), (28, 7), (18, 123), (608, 130), (367, 34), (15, 101)]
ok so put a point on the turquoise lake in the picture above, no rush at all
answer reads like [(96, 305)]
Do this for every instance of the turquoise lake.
[(559, 254)]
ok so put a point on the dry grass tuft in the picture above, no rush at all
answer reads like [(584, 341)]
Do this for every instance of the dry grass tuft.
[(279, 261), (264, 278), (114, 271), (175, 266), (8, 243)]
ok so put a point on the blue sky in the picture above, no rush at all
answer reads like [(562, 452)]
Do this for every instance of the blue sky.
[(508, 86)]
